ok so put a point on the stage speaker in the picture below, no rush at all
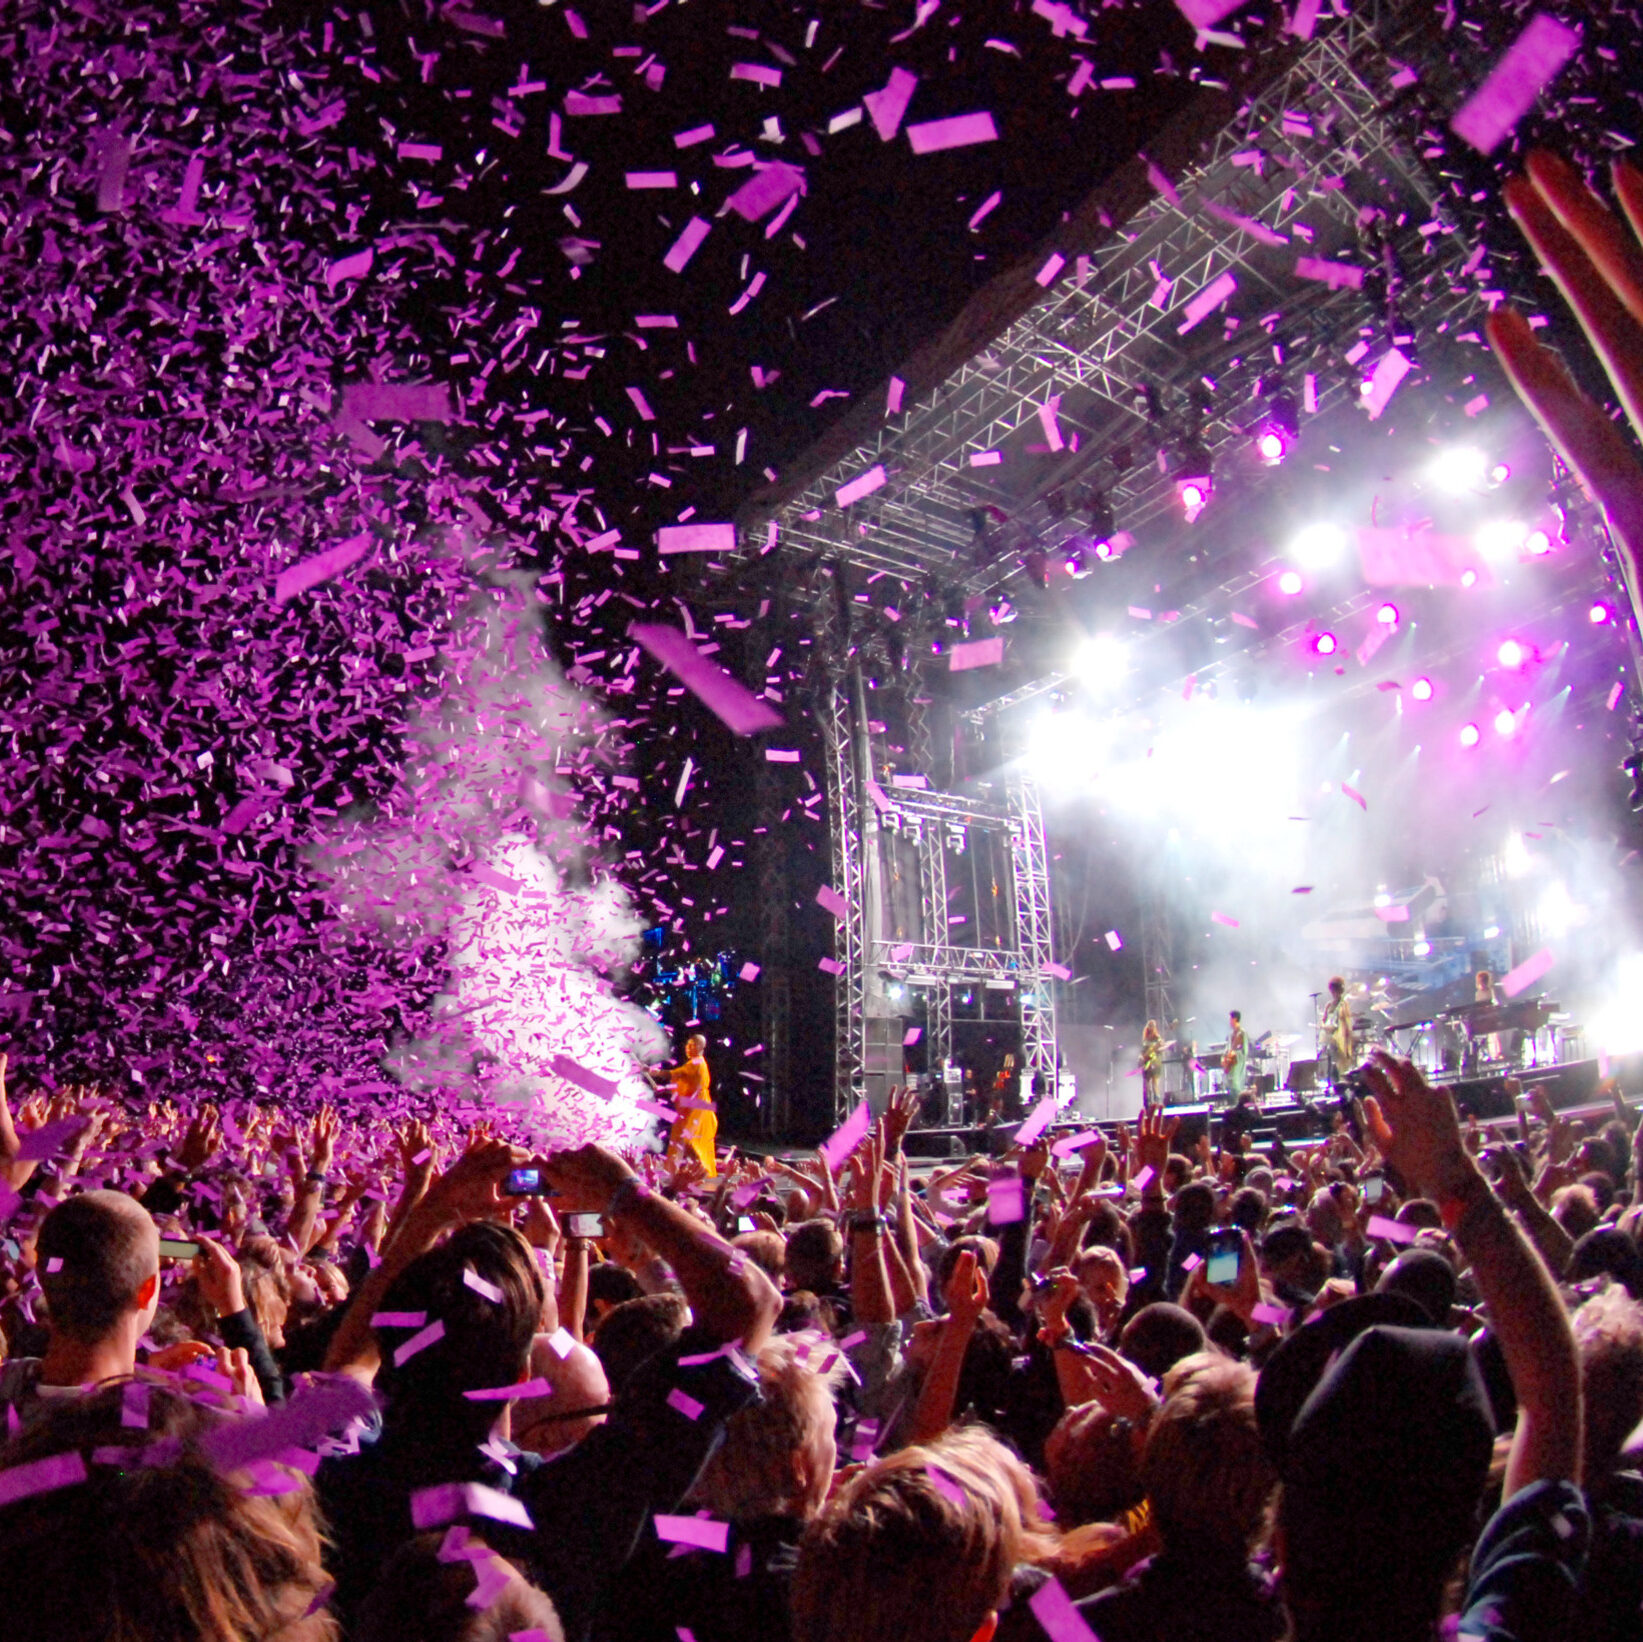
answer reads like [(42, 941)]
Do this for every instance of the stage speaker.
[(1303, 1077), (1264, 1083), (1194, 1126), (884, 1059)]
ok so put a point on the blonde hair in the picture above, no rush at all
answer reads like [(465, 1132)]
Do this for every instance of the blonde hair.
[(1608, 1330), (919, 1547), (752, 1472), (167, 1549)]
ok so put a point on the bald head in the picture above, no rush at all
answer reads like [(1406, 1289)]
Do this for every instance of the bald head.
[(578, 1381), (97, 1254)]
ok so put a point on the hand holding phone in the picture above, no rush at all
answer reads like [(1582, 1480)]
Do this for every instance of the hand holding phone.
[(526, 1182), (584, 1225), (1226, 1253), (178, 1248)]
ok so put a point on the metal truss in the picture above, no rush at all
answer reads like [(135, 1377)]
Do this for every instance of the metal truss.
[(1034, 934), (1158, 959), (844, 804), (1092, 342)]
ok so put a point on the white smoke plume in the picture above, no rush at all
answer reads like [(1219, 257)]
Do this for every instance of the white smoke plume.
[(478, 861)]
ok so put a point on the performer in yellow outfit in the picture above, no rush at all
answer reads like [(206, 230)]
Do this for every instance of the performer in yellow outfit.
[(697, 1125)]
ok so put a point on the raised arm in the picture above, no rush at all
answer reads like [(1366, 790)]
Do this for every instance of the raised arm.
[(870, 1296), (729, 1296), (1418, 1133)]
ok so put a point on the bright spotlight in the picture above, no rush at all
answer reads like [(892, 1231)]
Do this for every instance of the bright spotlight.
[(1421, 689), (1470, 735), (1492, 933), (1195, 496), (1500, 473), (1506, 722), (1290, 583), (1598, 614), (897, 991), (1511, 654), (1102, 661), (1423, 949), (1538, 543), (1463, 468), (1318, 546), (1325, 644), (1387, 615), (1468, 577), (1382, 899), (1497, 539), (1272, 446)]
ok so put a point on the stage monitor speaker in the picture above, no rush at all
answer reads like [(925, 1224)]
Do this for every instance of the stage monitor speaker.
[(1264, 1083), (1194, 1126), (1303, 1077), (884, 1059)]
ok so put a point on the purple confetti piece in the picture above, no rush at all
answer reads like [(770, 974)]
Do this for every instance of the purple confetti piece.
[(704, 1532), (847, 1137), (863, 485), (829, 900), (1219, 290), (471, 1279), (42, 1476), (1038, 1120), (981, 653), (765, 190), (436, 1506), (732, 702), (1492, 112), (420, 1341), (1006, 1201), (688, 1406), (1394, 1231), (961, 131), (946, 1486), (314, 1412), (1053, 1608), (321, 568), (686, 245), (1526, 973)]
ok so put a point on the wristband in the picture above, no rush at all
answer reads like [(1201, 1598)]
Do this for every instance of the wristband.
[(1453, 1210), (864, 1220), (632, 1192), (316, 1177)]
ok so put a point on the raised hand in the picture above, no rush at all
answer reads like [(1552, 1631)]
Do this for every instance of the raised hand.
[(1416, 1128), (898, 1117), (327, 1125), (1153, 1133), (1116, 1383), (1598, 268), (217, 1274), (966, 1289)]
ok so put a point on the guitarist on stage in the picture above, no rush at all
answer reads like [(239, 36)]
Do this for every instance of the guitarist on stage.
[(1340, 1047), (1235, 1061)]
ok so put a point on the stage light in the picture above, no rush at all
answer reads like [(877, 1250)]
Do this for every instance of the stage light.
[(1272, 446), (1387, 615), (1102, 661), (1195, 495), (1468, 578), (1290, 583), (1422, 949), (1318, 546), (1470, 735), (1497, 539), (1492, 933), (1538, 543), (897, 991), (1500, 473), (1511, 654), (1103, 550), (1382, 899), (1598, 614), (1463, 468), (1506, 722), (1421, 689), (1325, 644)]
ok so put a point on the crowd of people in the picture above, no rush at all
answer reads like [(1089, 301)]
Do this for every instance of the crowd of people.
[(268, 1375)]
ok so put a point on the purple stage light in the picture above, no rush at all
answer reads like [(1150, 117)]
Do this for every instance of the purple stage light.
[(1387, 615), (1505, 722), (1272, 446), (1598, 614), (1470, 735), (1290, 583), (1537, 543), (1511, 654), (1325, 644)]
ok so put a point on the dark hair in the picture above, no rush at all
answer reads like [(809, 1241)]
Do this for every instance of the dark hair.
[(1336, 984), (1158, 1336), (612, 1284), (1195, 1205), (1247, 1209), (95, 1252), (1236, 1014), (422, 1599), (637, 1330), (486, 1343), (813, 1250)]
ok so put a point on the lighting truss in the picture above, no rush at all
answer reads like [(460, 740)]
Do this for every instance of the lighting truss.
[(1092, 341)]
